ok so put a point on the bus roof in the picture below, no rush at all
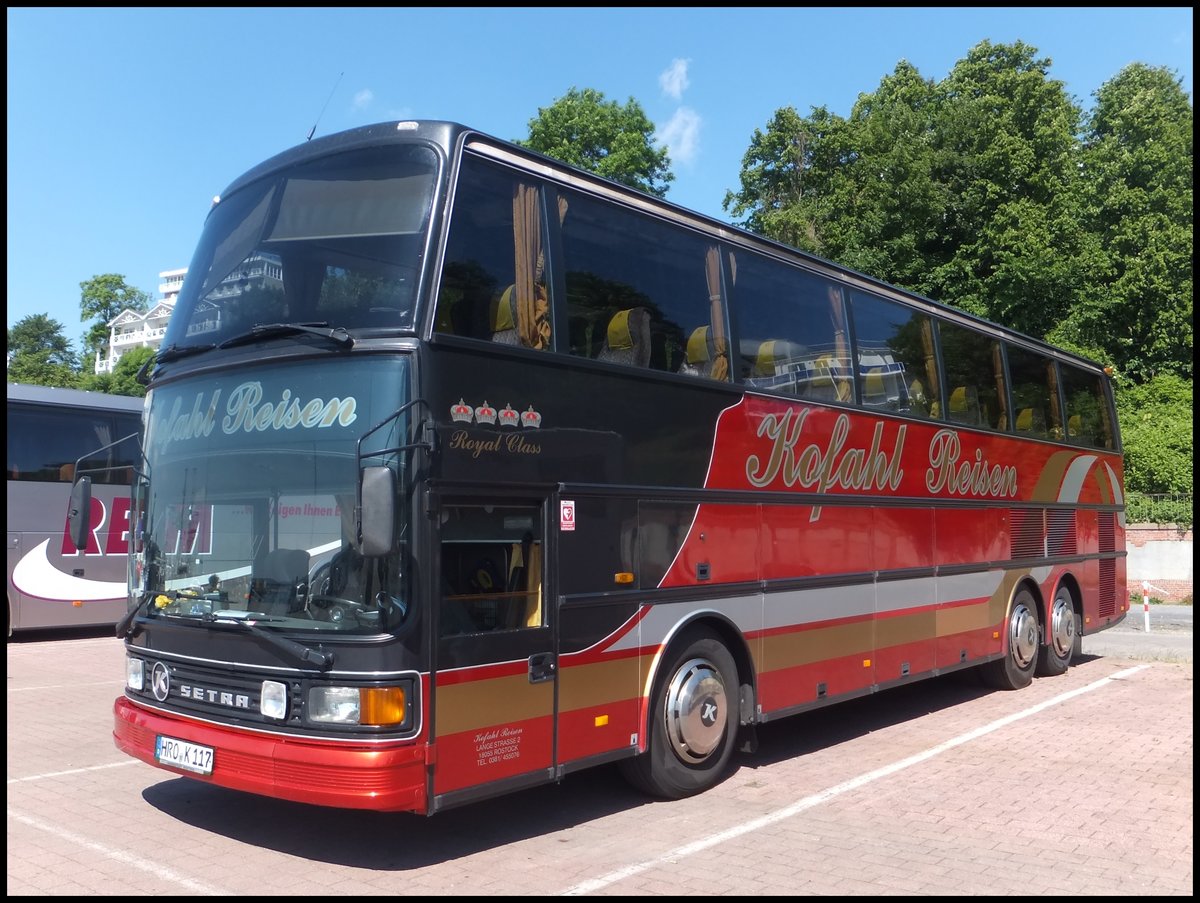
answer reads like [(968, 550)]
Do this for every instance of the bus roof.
[(449, 135), (73, 397)]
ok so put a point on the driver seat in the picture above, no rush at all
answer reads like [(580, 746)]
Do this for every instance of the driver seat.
[(274, 582)]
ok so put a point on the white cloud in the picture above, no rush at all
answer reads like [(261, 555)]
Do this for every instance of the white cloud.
[(363, 99), (674, 79), (681, 135)]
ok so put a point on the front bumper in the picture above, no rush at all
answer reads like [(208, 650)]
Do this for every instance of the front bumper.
[(385, 778)]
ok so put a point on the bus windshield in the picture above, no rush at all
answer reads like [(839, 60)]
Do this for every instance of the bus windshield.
[(247, 509), (337, 242)]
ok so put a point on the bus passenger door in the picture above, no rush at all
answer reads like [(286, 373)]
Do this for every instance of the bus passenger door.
[(495, 669)]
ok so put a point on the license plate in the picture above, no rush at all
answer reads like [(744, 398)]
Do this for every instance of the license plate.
[(181, 754)]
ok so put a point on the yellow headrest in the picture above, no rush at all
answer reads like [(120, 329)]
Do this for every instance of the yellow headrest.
[(619, 334), (503, 310), (874, 381), (1025, 420), (958, 400), (764, 363), (699, 346), (823, 368)]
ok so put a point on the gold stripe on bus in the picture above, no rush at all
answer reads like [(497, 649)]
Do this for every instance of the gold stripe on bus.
[(917, 627), (808, 646), (957, 619), (600, 683), (487, 703)]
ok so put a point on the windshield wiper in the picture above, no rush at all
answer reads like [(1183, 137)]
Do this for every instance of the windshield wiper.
[(170, 353), (173, 352), (322, 660), (337, 334)]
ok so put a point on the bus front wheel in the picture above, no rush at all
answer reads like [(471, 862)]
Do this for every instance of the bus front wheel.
[(1015, 669), (1063, 629), (692, 721)]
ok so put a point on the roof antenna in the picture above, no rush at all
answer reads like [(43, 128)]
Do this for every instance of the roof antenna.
[(322, 113)]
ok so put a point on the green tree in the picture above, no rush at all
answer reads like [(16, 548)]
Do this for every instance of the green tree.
[(614, 141), (782, 194), (959, 190), (860, 190), (123, 378), (40, 354), (38, 370), (39, 334), (1016, 251), (1156, 428), (101, 299), (1137, 201)]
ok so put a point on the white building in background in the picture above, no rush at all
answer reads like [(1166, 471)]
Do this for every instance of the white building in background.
[(129, 329)]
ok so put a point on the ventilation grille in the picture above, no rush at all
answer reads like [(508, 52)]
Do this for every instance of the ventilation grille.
[(1026, 533), (1108, 587), (1108, 530), (1061, 538)]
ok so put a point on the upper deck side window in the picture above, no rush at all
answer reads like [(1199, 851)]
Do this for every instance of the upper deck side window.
[(1089, 418), (975, 381), (494, 282), (897, 356), (641, 291), (791, 328), (1034, 381)]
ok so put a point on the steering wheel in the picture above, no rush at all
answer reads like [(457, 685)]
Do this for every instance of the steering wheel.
[(333, 608)]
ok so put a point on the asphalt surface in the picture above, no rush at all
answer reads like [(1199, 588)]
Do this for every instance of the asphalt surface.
[(1163, 634)]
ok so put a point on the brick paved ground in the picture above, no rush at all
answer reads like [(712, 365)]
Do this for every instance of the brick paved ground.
[(1080, 785)]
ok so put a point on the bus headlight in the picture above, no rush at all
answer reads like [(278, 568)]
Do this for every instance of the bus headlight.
[(379, 706), (135, 674), (272, 703)]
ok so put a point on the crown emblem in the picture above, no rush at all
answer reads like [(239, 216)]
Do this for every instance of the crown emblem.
[(461, 412), (531, 419), (485, 413), (509, 417)]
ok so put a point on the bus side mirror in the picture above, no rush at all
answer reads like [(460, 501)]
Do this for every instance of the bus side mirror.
[(377, 513), (79, 516)]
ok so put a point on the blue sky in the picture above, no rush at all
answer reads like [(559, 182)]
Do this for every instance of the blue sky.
[(123, 123)]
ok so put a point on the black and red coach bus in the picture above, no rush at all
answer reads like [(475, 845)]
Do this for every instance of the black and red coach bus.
[(465, 470)]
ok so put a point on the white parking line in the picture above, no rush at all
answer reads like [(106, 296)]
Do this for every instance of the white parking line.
[(59, 774), (73, 686), (809, 802), (121, 856)]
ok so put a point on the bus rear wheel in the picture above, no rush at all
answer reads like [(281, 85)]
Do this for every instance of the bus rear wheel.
[(692, 721), (1064, 641), (1015, 670)]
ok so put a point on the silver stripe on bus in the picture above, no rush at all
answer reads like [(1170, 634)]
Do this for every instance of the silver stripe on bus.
[(809, 607), (1072, 483)]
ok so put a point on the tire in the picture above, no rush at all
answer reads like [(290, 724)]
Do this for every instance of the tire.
[(1062, 636), (692, 723), (1015, 670)]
